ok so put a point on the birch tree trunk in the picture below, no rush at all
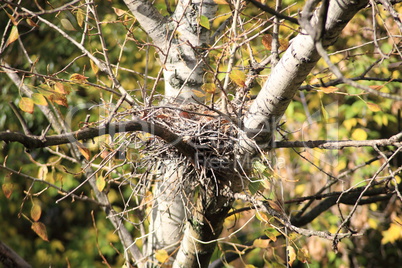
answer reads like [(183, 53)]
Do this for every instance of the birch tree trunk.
[(290, 72), (180, 40)]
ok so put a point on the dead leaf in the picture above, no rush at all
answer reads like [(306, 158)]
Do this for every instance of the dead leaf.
[(40, 229), (36, 212)]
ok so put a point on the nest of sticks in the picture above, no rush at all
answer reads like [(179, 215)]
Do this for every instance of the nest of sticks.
[(211, 133)]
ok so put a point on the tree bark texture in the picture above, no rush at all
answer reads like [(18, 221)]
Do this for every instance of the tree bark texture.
[(290, 72)]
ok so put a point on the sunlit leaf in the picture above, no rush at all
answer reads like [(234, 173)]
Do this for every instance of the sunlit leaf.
[(204, 22), (100, 183), (80, 17), (328, 90), (7, 189), (198, 93), (221, 2), (67, 25), (85, 152), (261, 243), (119, 12), (238, 77), (291, 253), (373, 107), (27, 105), (78, 77), (42, 173), (393, 234), (94, 67), (209, 87), (13, 35), (359, 134), (161, 255), (36, 212), (39, 99), (283, 44), (59, 87)]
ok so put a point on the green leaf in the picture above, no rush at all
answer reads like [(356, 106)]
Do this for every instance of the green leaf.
[(67, 25), (39, 99), (204, 22)]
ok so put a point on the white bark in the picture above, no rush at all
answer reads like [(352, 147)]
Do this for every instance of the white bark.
[(168, 213), (184, 66), (285, 79)]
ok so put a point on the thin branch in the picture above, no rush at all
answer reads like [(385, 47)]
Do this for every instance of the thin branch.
[(273, 11), (59, 189), (136, 124)]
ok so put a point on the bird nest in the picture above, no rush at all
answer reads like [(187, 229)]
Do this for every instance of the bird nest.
[(212, 134)]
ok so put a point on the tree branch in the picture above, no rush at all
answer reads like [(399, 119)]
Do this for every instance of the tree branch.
[(287, 76), (31, 142), (10, 258), (273, 11)]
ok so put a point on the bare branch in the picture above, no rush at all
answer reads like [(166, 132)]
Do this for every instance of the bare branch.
[(10, 258), (273, 11), (136, 124)]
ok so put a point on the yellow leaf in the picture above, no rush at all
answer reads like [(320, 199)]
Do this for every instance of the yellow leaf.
[(27, 105), (36, 212), (39, 99), (393, 234), (238, 77), (119, 12), (85, 152), (7, 189), (78, 77), (59, 88), (328, 90), (161, 255), (291, 254), (373, 107), (283, 44), (40, 229), (261, 243), (42, 173), (13, 35), (94, 67), (303, 255), (80, 17), (209, 87), (198, 93), (67, 25), (221, 2), (100, 183), (359, 134)]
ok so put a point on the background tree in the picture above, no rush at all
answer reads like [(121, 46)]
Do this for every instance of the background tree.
[(165, 134)]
